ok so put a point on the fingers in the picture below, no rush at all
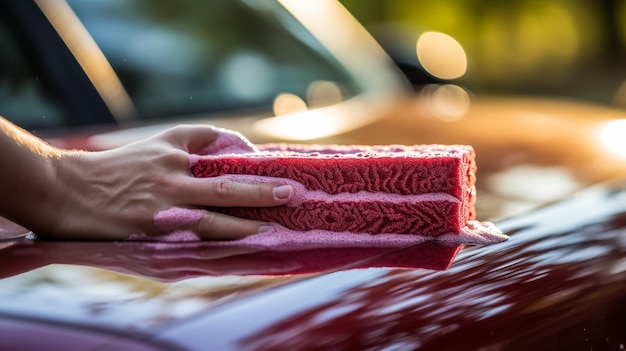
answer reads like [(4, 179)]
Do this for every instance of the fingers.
[(222, 192), (218, 191), (186, 191), (217, 226), (207, 225)]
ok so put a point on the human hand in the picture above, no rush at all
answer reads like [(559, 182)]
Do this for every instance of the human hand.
[(113, 194)]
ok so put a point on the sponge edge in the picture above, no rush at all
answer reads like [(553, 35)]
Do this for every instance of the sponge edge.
[(280, 238), (477, 233)]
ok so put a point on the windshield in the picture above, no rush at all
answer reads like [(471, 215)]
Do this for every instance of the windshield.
[(191, 57)]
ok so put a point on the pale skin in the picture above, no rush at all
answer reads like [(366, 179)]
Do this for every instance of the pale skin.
[(109, 195)]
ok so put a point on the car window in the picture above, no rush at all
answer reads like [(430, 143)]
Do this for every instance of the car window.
[(190, 57), (25, 98)]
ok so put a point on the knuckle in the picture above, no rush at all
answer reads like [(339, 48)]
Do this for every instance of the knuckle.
[(180, 128), (176, 132), (163, 184), (208, 221), (263, 194), (174, 158), (223, 189)]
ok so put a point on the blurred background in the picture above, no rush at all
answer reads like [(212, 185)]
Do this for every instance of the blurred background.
[(564, 48), (175, 58)]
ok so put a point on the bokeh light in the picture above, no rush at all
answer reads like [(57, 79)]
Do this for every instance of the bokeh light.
[(441, 55), (288, 103), (323, 93), (447, 102), (248, 76)]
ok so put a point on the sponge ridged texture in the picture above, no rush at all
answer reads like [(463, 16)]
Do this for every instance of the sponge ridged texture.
[(336, 170)]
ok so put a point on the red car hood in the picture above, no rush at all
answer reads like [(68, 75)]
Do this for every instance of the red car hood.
[(558, 281)]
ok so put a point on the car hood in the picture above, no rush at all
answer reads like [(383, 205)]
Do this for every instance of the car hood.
[(558, 283), (562, 271)]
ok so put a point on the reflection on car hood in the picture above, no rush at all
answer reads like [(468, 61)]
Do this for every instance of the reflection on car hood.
[(562, 272), (558, 281), (177, 261), (103, 284)]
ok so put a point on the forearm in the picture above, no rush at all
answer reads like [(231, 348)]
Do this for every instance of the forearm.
[(27, 177)]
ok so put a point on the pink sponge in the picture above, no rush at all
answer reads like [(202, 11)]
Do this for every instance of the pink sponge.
[(425, 189)]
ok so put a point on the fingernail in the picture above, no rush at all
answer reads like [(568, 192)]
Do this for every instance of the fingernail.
[(282, 192), (265, 228)]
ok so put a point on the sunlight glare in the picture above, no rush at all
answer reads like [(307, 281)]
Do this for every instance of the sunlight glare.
[(612, 136), (301, 126)]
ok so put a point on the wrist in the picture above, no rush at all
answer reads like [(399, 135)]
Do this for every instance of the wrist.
[(63, 194), (53, 191), (30, 188)]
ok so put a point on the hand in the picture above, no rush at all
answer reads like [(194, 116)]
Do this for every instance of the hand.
[(113, 194)]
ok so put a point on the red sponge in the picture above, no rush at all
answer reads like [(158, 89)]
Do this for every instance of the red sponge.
[(424, 189)]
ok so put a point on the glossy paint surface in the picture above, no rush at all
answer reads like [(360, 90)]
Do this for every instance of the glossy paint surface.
[(135, 288), (559, 283)]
